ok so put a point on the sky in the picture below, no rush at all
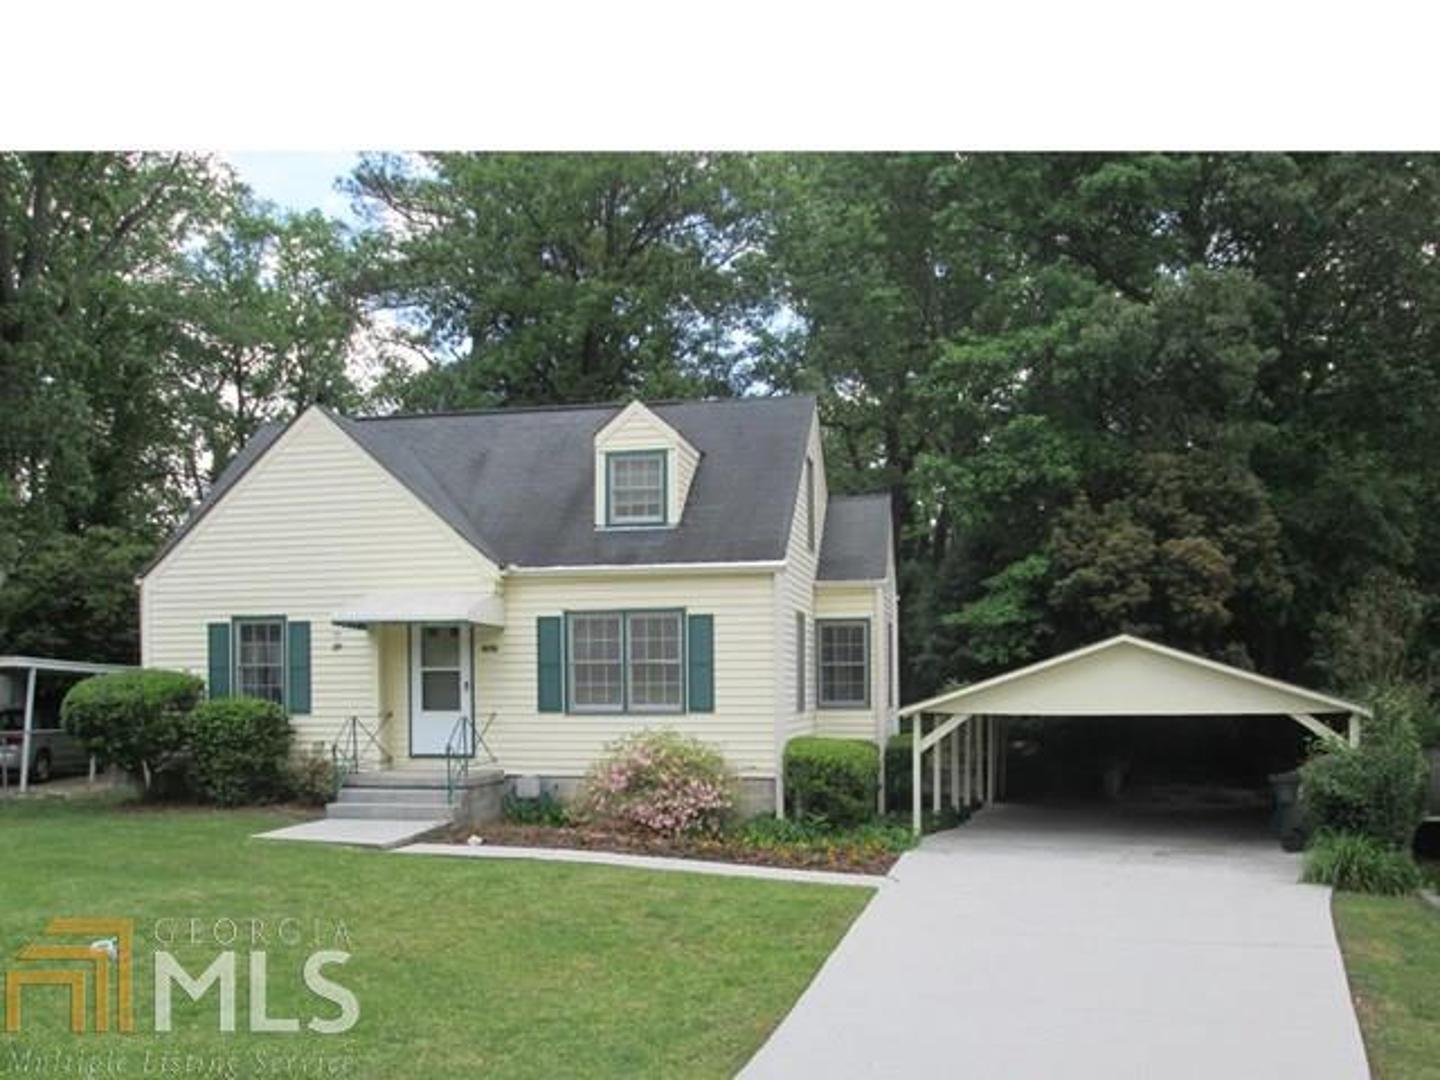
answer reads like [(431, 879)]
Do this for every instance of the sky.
[(298, 181)]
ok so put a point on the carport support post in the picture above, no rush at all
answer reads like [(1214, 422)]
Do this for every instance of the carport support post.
[(992, 755), (916, 776), (1003, 760), (1353, 729), (25, 732), (982, 761), (935, 786), (968, 734), (972, 761), (955, 769)]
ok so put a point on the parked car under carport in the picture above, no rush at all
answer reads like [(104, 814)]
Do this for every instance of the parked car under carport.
[(33, 745)]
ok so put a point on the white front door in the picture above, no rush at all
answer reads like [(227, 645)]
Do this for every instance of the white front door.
[(439, 686)]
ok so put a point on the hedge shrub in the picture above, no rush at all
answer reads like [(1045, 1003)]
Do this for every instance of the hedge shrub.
[(659, 782), (311, 780), (1376, 789), (239, 748), (1359, 863), (898, 762), (136, 720), (836, 780)]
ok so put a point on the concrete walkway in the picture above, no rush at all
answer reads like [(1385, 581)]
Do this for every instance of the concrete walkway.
[(644, 862), (1044, 943), (356, 832)]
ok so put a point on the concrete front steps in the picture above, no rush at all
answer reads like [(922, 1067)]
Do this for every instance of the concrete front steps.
[(411, 794)]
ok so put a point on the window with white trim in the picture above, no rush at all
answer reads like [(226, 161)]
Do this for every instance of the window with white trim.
[(260, 659), (635, 488), (843, 663), (627, 661), (655, 680), (597, 667)]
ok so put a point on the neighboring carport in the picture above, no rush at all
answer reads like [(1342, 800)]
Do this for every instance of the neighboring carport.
[(19, 676), (1119, 677)]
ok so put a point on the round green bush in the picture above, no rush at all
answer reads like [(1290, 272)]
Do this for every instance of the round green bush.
[(835, 780), (239, 749), (1360, 863), (133, 719)]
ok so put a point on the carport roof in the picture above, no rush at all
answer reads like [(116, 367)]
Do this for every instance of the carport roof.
[(1129, 676)]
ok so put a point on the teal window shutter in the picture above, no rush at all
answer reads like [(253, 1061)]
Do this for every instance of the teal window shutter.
[(218, 684), (297, 643), (701, 657), (550, 638)]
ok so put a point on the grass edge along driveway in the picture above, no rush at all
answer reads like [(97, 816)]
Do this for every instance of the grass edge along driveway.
[(461, 967), (1392, 955)]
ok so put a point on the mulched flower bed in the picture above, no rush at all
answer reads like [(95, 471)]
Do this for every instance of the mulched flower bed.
[(841, 855)]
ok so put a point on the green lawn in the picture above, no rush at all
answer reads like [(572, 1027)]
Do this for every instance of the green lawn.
[(1392, 954), (461, 967)]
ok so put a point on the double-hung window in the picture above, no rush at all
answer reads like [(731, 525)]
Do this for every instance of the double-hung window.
[(627, 661), (260, 659), (654, 678), (843, 662), (597, 664), (635, 488)]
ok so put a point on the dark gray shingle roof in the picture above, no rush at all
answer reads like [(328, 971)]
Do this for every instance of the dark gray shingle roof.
[(519, 483), (856, 543)]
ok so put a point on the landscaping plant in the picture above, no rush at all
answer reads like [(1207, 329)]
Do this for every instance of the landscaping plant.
[(311, 780), (544, 809), (898, 764), (1376, 789), (659, 782), (136, 720), (238, 750), (1358, 863), (836, 780)]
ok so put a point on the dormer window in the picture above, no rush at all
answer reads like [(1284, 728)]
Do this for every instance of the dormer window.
[(643, 471), (636, 491)]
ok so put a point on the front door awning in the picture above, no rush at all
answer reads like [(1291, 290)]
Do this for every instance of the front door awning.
[(479, 606)]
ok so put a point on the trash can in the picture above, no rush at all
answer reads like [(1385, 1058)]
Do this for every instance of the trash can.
[(1286, 820)]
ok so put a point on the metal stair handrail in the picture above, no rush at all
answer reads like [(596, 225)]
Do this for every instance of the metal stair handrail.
[(348, 746)]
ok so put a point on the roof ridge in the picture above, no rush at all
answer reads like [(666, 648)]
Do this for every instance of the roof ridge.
[(502, 410)]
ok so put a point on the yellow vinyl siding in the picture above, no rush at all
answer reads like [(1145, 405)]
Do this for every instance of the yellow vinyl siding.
[(314, 523), (393, 643), (890, 610), (684, 461), (795, 591), (562, 744), (854, 602)]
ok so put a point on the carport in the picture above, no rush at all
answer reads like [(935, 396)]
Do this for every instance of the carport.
[(1117, 677), (25, 670)]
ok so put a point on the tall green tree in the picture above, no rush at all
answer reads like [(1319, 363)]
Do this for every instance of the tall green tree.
[(266, 308), (1193, 395), (525, 278), (151, 315)]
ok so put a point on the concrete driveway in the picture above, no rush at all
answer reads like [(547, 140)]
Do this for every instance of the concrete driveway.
[(1060, 943)]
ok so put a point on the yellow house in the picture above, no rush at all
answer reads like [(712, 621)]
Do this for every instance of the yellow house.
[(521, 587)]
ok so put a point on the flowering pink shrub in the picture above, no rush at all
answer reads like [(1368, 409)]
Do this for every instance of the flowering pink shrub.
[(659, 782)]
